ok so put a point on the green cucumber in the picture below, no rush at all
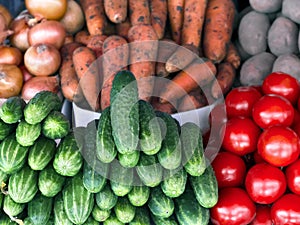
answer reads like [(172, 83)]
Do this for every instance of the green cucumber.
[(106, 199), (142, 217), (25, 180), (121, 179), (160, 204), (205, 187), (41, 153), (27, 134), (124, 210), (150, 133), (38, 107), (11, 110), (174, 182), (60, 216), (106, 150), (139, 195), (164, 221), (100, 215), (13, 155), (193, 160), (3, 177), (129, 160), (169, 156), (91, 221), (12, 208), (5, 220), (188, 211), (6, 129), (113, 220), (124, 112), (56, 125)]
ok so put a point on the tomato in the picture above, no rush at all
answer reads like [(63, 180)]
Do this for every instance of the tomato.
[(272, 110), (263, 215), (298, 104), (279, 145), (239, 101), (286, 210), (257, 157), (241, 135), (292, 174), (282, 84), (234, 207), (230, 169), (265, 183)]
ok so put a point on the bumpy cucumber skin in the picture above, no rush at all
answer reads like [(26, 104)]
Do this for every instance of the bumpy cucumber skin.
[(91, 221), (6, 129), (11, 110), (164, 221), (3, 177), (129, 160), (139, 195), (124, 210), (124, 112), (174, 182), (27, 134), (100, 215), (106, 199), (10, 207), (60, 216), (121, 179), (56, 125), (113, 220), (141, 217), (93, 181)]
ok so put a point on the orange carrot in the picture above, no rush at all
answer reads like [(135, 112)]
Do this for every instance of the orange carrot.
[(143, 54), (122, 28), (139, 12), (175, 10), (116, 10), (193, 100), (199, 73), (94, 15), (233, 56), (82, 37), (218, 28), (95, 43), (159, 12), (166, 48)]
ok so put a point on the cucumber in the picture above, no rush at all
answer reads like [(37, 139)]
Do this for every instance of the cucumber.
[(121, 179), (106, 199), (60, 216), (25, 180), (188, 211), (139, 195), (38, 107), (124, 112), (149, 170), (56, 125), (129, 160), (39, 209), (13, 155), (193, 160), (170, 154), (113, 220), (12, 208), (3, 177), (142, 217), (106, 150), (174, 182), (68, 159), (50, 183), (27, 134), (91, 221), (164, 221), (41, 153), (205, 188), (150, 133), (124, 210), (100, 215), (11, 110), (6, 129), (78, 202), (160, 204), (5, 220)]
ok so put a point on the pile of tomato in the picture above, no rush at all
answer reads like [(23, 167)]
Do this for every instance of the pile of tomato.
[(258, 166)]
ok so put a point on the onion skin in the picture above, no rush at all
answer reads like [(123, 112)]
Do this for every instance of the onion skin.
[(25, 72), (42, 60), (19, 38), (47, 32), (11, 80), (6, 14), (10, 55)]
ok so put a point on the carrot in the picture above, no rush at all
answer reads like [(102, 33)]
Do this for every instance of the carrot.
[(122, 28), (116, 10), (193, 20), (86, 68), (115, 58), (94, 15), (224, 79), (143, 54), (193, 100), (158, 16), (233, 56), (166, 48), (175, 10), (182, 57), (68, 77), (139, 12), (82, 37), (218, 28), (95, 43), (199, 73)]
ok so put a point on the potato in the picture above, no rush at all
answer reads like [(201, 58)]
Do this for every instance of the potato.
[(244, 55), (253, 31), (255, 69), (283, 36), (291, 9), (266, 6), (288, 63)]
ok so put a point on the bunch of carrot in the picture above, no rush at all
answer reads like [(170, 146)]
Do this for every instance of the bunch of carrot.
[(179, 50)]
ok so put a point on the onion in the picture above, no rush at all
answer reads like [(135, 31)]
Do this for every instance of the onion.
[(73, 20), (10, 55), (4, 32), (6, 14), (47, 9), (47, 32), (25, 72), (11, 80), (42, 59)]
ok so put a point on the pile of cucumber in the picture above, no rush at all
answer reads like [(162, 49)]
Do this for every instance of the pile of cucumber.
[(133, 165)]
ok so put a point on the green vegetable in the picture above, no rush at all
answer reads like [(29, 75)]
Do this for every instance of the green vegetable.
[(129, 159), (3, 177), (141, 217), (139, 195), (99, 214), (6, 129), (91, 221), (5, 220), (11, 110), (124, 112), (27, 134), (124, 210), (60, 216), (106, 199), (113, 220), (11, 208), (164, 221), (121, 179), (56, 125), (174, 182)]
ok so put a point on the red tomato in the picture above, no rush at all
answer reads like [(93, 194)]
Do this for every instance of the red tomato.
[(234, 207), (239, 101), (230, 169), (263, 215), (265, 183), (279, 145), (282, 84), (272, 110), (241, 135), (286, 210), (292, 174), (298, 104), (257, 158)]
